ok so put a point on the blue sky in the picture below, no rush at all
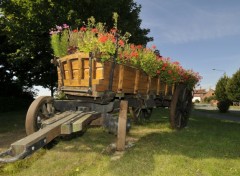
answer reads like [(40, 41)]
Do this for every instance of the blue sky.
[(201, 34)]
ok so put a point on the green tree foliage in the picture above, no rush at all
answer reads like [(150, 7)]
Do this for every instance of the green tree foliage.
[(209, 99), (220, 92), (233, 87), (27, 23)]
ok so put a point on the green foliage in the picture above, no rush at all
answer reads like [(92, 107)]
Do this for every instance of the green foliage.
[(223, 106), (59, 43), (233, 87), (220, 92), (209, 99), (197, 101)]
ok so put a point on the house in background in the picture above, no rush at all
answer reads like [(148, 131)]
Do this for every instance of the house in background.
[(201, 94)]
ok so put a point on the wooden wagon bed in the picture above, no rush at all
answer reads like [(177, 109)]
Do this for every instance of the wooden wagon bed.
[(80, 75)]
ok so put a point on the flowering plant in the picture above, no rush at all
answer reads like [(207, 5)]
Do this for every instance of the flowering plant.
[(93, 37)]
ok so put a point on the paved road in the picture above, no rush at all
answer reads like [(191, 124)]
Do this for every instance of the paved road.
[(205, 111)]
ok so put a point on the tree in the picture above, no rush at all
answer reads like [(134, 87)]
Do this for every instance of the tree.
[(27, 23), (220, 91), (233, 87), (221, 94)]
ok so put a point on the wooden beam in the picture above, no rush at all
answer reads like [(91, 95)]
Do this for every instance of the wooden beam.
[(80, 70), (158, 86), (136, 82), (149, 84), (173, 88), (122, 123), (120, 80), (70, 72), (166, 89)]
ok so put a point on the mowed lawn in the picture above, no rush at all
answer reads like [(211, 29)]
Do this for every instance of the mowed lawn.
[(206, 147)]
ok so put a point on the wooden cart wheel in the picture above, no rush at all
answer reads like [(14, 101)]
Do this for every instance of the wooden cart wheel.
[(142, 114), (180, 107), (40, 110)]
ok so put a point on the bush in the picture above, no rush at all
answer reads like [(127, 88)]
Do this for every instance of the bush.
[(209, 99), (220, 92), (197, 101), (223, 106)]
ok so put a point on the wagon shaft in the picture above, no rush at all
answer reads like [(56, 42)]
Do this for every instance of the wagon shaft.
[(63, 123)]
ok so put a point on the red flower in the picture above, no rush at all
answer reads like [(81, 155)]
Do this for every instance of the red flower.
[(154, 47), (158, 71), (176, 63), (132, 46), (103, 38), (113, 30), (83, 29), (94, 30), (75, 30), (169, 72), (139, 46), (134, 54), (121, 43)]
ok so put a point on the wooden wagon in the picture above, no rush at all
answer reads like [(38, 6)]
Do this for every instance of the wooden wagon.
[(93, 90)]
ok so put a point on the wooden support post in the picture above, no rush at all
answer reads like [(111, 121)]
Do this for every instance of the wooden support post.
[(173, 88), (158, 86), (120, 81), (136, 82), (149, 85), (122, 123), (80, 70), (166, 90), (70, 71)]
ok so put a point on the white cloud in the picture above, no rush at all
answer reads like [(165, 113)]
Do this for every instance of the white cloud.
[(179, 22)]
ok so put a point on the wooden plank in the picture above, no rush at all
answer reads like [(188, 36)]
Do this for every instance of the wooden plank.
[(136, 81), (173, 88), (122, 123), (66, 128), (166, 89), (74, 63), (120, 80), (80, 71), (149, 84), (158, 86), (48, 133), (70, 73), (78, 125)]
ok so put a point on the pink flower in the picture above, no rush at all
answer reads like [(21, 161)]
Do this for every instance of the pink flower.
[(65, 26)]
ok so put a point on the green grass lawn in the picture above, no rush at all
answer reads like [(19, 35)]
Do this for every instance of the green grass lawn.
[(205, 147)]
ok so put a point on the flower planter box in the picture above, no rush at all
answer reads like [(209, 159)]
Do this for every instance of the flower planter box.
[(74, 78)]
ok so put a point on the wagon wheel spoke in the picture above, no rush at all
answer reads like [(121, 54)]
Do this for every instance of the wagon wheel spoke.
[(44, 110), (142, 114), (50, 108)]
